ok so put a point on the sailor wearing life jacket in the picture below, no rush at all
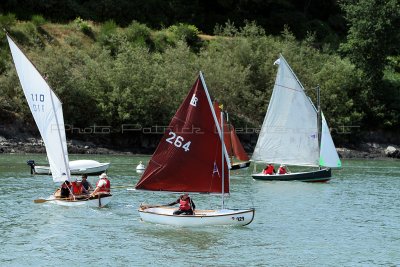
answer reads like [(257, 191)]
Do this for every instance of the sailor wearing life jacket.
[(186, 205), (78, 189), (103, 186), (282, 169), (269, 170)]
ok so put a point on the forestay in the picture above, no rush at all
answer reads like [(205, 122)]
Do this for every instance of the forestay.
[(46, 109), (289, 133)]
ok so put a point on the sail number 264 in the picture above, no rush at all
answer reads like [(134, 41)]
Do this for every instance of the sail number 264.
[(178, 141)]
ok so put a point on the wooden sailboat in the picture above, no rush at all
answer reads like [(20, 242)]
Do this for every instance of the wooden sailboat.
[(191, 157), (295, 132), (238, 157), (47, 111)]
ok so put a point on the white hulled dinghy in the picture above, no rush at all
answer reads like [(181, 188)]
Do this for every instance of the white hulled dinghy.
[(294, 132), (47, 111), (81, 166), (191, 157)]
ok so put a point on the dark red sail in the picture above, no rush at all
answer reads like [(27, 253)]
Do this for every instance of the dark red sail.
[(238, 150), (231, 140), (189, 156)]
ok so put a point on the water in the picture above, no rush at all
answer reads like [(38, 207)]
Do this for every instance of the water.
[(352, 221)]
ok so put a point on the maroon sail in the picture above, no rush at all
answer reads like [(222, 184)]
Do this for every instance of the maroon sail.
[(238, 150), (189, 156), (231, 140)]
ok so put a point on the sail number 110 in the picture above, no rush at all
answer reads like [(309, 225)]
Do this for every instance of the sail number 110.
[(178, 142)]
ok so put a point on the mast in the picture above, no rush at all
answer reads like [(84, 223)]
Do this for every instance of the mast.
[(223, 168), (59, 136), (319, 117), (229, 131)]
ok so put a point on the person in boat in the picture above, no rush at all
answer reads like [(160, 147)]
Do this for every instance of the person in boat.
[(86, 184), (65, 189), (282, 169), (186, 205), (78, 189), (103, 186), (269, 170)]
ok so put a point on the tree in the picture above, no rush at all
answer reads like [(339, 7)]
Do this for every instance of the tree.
[(373, 36)]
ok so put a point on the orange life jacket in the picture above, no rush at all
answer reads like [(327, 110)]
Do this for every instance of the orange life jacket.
[(184, 204), (269, 170), (281, 170), (106, 187)]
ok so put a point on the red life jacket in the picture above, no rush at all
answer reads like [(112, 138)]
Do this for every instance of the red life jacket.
[(184, 204), (281, 170), (76, 189), (106, 187), (269, 170)]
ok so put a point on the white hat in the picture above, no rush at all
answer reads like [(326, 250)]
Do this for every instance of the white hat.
[(103, 175)]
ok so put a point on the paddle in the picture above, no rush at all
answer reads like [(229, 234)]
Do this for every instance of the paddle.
[(146, 206), (42, 200), (122, 186)]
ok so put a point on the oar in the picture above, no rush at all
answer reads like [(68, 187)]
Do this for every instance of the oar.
[(122, 186), (42, 200), (146, 206)]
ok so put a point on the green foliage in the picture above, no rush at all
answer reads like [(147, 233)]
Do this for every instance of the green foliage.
[(7, 21), (187, 33), (38, 20), (373, 36), (138, 33), (83, 26), (134, 75)]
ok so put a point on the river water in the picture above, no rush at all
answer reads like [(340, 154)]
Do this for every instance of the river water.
[(354, 220)]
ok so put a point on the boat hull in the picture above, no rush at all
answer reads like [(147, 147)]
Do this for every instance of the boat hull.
[(322, 175), (164, 215), (90, 167), (92, 202), (240, 165)]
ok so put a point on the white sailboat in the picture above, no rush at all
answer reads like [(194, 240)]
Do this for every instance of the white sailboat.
[(191, 157), (81, 166), (47, 111), (291, 132)]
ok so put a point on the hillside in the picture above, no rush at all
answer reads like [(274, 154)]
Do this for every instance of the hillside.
[(136, 77)]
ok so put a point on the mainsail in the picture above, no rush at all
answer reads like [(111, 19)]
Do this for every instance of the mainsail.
[(188, 157), (289, 133), (46, 109)]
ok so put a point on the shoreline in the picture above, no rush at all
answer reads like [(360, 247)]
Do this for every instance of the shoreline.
[(36, 146)]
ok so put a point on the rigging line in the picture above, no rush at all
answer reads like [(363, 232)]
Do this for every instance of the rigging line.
[(297, 90)]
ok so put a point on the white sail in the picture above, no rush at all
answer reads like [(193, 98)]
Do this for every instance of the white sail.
[(328, 153), (289, 133), (46, 109)]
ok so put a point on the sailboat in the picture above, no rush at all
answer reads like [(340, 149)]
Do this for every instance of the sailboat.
[(295, 132), (191, 157), (82, 166), (47, 111), (232, 143)]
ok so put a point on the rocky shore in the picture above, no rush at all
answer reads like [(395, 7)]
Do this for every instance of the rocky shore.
[(36, 145)]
